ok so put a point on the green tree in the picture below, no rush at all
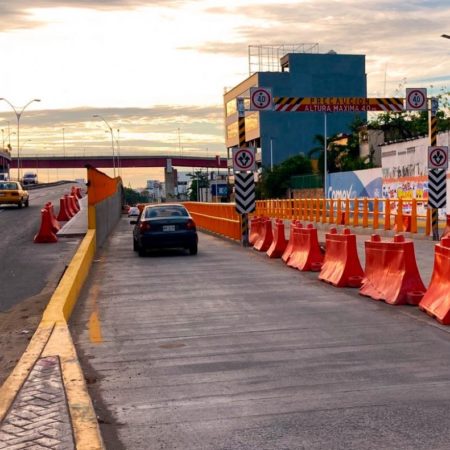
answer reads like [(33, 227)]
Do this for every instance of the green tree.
[(133, 197), (342, 151), (408, 125), (274, 183), (199, 180)]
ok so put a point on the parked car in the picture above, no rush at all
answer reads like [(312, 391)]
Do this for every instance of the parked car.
[(29, 178), (12, 193), (133, 211), (167, 225)]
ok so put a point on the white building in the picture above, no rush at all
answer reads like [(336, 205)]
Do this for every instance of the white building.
[(155, 190), (405, 167)]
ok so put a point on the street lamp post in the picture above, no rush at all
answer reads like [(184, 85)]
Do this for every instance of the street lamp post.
[(112, 141), (18, 158), (118, 152), (18, 116)]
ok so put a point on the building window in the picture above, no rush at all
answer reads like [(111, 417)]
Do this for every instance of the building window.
[(252, 122), (232, 131), (231, 107)]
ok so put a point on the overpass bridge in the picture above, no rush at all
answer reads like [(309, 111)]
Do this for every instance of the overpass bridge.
[(80, 162)]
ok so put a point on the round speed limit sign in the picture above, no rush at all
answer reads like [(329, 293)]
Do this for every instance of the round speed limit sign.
[(260, 99), (416, 99)]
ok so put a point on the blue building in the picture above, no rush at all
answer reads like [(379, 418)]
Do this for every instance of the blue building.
[(280, 135)]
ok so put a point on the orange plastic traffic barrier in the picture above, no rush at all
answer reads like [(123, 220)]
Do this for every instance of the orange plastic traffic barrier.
[(436, 301), (63, 215), (446, 232), (391, 272), (290, 245), (73, 204), (306, 254), (265, 237), (279, 242), (69, 207), (402, 223), (53, 221), (255, 229), (341, 266), (78, 191), (73, 192), (45, 234)]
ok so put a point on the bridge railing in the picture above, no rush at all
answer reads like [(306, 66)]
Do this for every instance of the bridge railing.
[(401, 215), (220, 218)]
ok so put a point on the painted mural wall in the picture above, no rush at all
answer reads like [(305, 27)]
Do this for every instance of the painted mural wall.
[(360, 183), (404, 174)]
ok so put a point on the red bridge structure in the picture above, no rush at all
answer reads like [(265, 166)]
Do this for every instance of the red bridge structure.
[(73, 162)]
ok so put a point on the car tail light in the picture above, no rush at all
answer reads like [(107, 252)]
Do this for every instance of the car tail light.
[(190, 224), (144, 226)]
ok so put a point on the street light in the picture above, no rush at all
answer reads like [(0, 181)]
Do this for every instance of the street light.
[(18, 116), (112, 141), (8, 137), (446, 36), (3, 134), (18, 157), (118, 152)]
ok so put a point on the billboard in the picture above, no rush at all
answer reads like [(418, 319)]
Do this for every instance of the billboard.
[(359, 183)]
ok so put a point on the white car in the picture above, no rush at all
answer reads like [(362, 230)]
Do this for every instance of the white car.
[(133, 211), (29, 178)]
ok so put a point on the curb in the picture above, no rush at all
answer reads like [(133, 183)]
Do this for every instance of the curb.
[(52, 338)]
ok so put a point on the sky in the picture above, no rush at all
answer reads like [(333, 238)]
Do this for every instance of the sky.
[(156, 70)]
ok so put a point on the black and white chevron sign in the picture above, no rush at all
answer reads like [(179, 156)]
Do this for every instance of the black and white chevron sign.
[(244, 186), (437, 188)]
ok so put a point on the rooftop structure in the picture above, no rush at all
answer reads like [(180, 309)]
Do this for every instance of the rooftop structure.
[(279, 135)]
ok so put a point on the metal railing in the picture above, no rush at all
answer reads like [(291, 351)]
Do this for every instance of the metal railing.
[(389, 214)]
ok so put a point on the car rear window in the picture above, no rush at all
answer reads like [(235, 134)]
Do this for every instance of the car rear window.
[(166, 211), (8, 186)]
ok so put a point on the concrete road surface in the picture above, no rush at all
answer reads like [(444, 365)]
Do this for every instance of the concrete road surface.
[(231, 350)]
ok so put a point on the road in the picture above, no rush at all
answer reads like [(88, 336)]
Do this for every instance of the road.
[(29, 272), (231, 350)]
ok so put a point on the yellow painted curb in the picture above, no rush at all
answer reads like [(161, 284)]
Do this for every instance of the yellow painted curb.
[(82, 413), (66, 294), (52, 338)]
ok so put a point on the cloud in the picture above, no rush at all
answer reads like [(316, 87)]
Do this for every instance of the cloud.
[(18, 14), (158, 128), (399, 41)]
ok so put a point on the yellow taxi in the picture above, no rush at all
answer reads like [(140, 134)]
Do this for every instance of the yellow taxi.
[(12, 193)]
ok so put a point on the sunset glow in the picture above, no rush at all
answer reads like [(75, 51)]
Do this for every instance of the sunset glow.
[(157, 69)]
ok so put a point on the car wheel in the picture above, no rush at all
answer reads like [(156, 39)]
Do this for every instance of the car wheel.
[(27, 203), (135, 245), (141, 251), (193, 249), (20, 204)]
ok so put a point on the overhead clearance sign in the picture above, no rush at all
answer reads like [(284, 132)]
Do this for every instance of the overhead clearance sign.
[(337, 104)]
